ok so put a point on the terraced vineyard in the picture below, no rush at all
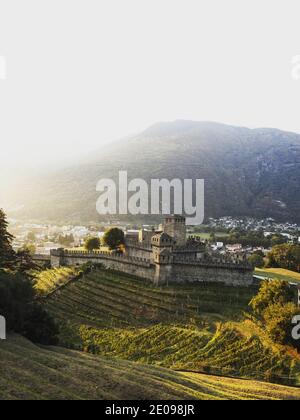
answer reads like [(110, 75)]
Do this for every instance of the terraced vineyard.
[(227, 352), (35, 373), (48, 280), (178, 327), (106, 299)]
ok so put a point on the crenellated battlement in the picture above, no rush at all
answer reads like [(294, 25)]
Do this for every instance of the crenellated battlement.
[(163, 269), (96, 255)]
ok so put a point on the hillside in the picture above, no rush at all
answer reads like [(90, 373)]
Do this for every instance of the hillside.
[(279, 274), (105, 298), (179, 327), (35, 373), (246, 171)]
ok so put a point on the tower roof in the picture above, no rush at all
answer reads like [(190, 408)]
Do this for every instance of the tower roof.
[(162, 239)]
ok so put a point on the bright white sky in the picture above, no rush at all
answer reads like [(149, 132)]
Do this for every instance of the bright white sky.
[(83, 72)]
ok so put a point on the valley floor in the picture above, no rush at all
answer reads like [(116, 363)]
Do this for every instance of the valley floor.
[(36, 373)]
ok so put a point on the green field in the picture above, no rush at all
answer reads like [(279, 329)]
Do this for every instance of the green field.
[(29, 372), (279, 274)]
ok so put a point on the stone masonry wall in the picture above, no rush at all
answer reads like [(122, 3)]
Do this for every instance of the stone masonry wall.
[(159, 274), (232, 276), (136, 251), (134, 266)]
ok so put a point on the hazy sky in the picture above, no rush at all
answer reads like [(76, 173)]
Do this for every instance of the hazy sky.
[(82, 72)]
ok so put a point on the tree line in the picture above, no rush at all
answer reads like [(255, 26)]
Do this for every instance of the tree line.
[(253, 239), (113, 238), (274, 309), (286, 256), (18, 301)]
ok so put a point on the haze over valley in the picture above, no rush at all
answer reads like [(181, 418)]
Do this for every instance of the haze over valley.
[(247, 172)]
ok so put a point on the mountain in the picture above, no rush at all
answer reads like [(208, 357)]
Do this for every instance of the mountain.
[(247, 172)]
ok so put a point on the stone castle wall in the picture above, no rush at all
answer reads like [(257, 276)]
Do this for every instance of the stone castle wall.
[(217, 273), (137, 250), (130, 265), (159, 274)]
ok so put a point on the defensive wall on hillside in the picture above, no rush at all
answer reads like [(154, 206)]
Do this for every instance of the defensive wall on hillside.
[(175, 271)]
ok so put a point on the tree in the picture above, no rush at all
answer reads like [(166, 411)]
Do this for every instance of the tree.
[(278, 320), (30, 248), (212, 237), (40, 327), (285, 256), (114, 238), (31, 237), (24, 261), (271, 293), (92, 244), (22, 312), (7, 254), (259, 252), (256, 260), (66, 240), (275, 309), (278, 240)]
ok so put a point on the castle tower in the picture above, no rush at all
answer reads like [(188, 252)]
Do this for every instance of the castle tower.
[(175, 226), (162, 247)]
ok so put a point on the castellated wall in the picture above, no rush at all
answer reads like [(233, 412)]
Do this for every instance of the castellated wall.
[(129, 265), (194, 272), (136, 250), (159, 274)]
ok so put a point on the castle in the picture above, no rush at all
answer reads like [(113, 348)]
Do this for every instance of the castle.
[(166, 256)]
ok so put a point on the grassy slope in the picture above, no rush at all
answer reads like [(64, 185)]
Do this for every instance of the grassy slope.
[(48, 280), (280, 274), (179, 327), (31, 372)]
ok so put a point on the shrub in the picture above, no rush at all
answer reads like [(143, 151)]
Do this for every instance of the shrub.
[(256, 261), (22, 312), (271, 292), (114, 238), (274, 307), (92, 244), (278, 321)]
